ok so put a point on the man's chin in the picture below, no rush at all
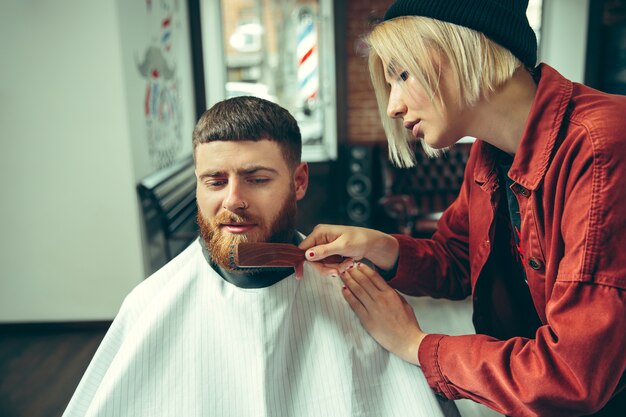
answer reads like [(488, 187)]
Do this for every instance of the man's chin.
[(236, 238), (257, 234), (223, 245)]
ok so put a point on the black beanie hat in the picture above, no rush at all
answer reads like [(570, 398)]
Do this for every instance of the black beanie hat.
[(503, 21)]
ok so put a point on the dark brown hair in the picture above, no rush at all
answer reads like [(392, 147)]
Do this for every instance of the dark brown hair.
[(254, 119)]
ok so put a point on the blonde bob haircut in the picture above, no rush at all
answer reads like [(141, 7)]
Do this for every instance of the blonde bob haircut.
[(419, 45)]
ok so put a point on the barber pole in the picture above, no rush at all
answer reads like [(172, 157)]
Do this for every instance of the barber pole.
[(306, 51)]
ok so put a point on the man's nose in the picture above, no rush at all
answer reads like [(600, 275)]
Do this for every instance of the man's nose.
[(234, 199), (396, 107)]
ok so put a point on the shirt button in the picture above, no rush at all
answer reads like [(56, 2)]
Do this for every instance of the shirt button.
[(523, 191), (535, 263)]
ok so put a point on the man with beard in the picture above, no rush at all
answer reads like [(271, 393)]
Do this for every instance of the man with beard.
[(201, 338)]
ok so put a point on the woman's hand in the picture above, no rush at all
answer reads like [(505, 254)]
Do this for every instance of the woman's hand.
[(351, 242), (384, 313)]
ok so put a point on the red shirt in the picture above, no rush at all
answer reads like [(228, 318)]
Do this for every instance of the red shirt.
[(563, 351)]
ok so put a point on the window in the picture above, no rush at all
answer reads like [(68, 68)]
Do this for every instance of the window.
[(280, 50), (534, 14)]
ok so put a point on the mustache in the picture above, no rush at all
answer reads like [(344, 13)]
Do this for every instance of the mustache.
[(230, 217)]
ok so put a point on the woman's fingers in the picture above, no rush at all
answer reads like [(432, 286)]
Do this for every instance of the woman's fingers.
[(351, 242), (355, 304), (321, 251), (376, 279), (321, 236), (360, 284), (345, 265), (384, 313), (316, 237), (329, 270), (326, 240)]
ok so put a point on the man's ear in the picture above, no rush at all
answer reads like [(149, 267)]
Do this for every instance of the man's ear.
[(301, 180)]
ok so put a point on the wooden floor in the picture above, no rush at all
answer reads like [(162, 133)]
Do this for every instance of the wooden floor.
[(41, 365)]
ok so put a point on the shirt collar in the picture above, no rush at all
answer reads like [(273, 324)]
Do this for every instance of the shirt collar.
[(540, 134)]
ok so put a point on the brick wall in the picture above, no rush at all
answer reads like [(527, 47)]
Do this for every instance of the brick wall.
[(362, 113)]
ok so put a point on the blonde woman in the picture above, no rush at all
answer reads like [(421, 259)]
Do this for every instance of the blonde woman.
[(537, 234)]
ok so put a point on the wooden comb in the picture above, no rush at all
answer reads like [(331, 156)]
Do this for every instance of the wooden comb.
[(272, 255)]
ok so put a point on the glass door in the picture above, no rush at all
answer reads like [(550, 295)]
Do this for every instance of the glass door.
[(280, 50)]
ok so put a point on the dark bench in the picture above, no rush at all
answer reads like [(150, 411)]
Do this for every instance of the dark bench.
[(168, 201)]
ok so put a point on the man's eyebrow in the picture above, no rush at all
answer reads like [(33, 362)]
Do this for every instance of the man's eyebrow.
[(254, 169), (211, 173), (242, 171)]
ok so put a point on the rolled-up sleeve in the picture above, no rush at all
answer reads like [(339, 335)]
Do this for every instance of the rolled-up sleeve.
[(570, 368)]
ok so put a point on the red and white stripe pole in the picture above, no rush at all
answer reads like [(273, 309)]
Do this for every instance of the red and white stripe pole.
[(307, 54)]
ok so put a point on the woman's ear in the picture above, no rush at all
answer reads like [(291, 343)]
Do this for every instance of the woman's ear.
[(301, 180)]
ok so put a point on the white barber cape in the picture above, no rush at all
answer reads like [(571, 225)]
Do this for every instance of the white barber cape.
[(188, 343)]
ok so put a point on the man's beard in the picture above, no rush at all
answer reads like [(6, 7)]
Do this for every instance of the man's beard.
[(222, 244)]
